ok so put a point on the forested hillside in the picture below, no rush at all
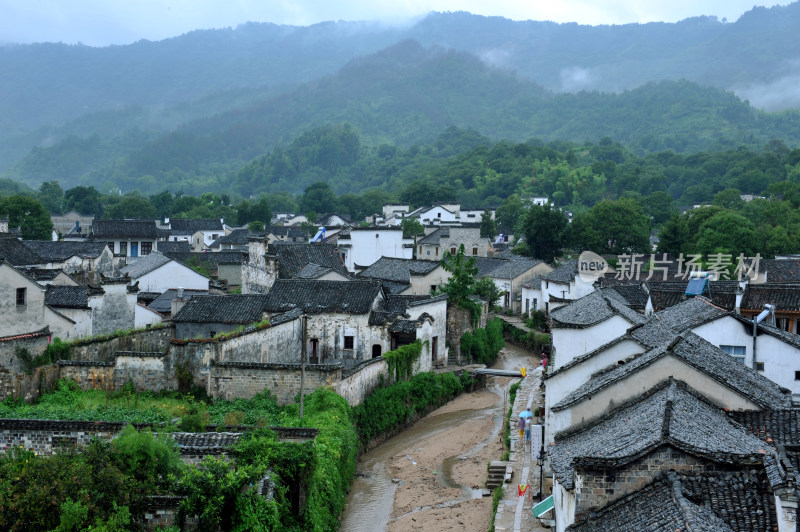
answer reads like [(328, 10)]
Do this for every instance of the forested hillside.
[(405, 95)]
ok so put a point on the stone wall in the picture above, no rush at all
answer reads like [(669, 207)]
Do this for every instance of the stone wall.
[(35, 343), (459, 321), (229, 380), (27, 387), (595, 489), (360, 381), (104, 349)]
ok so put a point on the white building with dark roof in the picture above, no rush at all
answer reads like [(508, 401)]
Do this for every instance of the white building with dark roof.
[(157, 272)]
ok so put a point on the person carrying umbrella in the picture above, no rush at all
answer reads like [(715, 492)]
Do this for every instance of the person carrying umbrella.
[(527, 415)]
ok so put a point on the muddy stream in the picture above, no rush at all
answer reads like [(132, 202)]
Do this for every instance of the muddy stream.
[(371, 501)]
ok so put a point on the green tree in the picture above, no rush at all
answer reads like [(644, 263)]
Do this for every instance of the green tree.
[(488, 225), (659, 206), (614, 227), (319, 198), (461, 286), (727, 232), (163, 202), (131, 206), (508, 213), (730, 198), (248, 211), (673, 236), (52, 197), (29, 215), (412, 228), (85, 200), (544, 228)]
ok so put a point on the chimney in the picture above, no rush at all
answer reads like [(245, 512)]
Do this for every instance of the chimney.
[(177, 304)]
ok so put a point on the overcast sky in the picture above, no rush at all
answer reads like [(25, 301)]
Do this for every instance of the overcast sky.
[(104, 22)]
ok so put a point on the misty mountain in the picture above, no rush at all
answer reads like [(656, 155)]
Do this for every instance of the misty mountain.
[(406, 95), (210, 101)]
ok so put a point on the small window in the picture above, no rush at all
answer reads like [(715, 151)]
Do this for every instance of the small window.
[(123, 248), (147, 248), (475, 252), (736, 351), (212, 334), (214, 236), (349, 341), (21, 299), (433, 288), (428, 252), (437, 251), (110, 246), (759, 366), (420, 250), (797, 375), (452, 251), (438, 215)]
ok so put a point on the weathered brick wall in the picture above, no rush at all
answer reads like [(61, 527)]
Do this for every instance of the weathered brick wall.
[(35, 344), (27, 387), (90, 375), (595, 489), (360, 381), (46, 437), (229, 380), (143, 340), (459, 321)]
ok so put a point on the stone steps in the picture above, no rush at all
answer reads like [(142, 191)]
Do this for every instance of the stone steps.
[(499, 473)]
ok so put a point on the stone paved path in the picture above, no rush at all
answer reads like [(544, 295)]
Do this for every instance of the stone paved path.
[(515, 513)]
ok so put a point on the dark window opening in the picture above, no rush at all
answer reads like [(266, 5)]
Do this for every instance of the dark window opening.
[(759, 366), (349, 341), (797, 375), (21, 293), (212, 334), (475, 252), (147, 248), (376, 350)]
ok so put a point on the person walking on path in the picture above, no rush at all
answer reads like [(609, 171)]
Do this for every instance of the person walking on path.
[(521, 427), (528, 430)]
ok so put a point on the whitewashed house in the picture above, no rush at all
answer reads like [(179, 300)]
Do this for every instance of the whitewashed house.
[(364, 246), (157, 273), (555, 289)]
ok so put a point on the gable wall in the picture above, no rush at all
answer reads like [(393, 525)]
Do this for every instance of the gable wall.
[(258, 273), (114, 310), (639, 383), (16, 319), (571, 343), (172, 275), (421, 284), (562, 384), (594, 488)]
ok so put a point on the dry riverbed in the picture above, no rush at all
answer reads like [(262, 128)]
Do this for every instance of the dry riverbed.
[(423, 501)]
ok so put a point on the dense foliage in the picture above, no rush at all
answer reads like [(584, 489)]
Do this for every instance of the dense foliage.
[(392, 407), (484, 344)]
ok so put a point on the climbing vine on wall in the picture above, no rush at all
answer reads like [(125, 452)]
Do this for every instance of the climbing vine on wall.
[(401, 360)]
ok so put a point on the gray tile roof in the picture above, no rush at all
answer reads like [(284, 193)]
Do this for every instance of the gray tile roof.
[(237, 237), (16, 253), (43, 274), (743, 499), (670, 414), (312, 271), (59, 251), (677, 502), (703, 356), (780, 271), (435, 236), (212, 260), (785, 297), (139, 266), (398, 270), (595, 308), (163, 302), (513, 267), (294, 257), (313, 296), (127, 229), (66, 297), (673, 320), (189, 226), (668, 294), (781, 426), (235, 309), (395, 306), (633, 294), (564, 273), (181, 246)]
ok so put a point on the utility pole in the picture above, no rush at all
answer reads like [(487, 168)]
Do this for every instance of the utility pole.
[(303, 320)]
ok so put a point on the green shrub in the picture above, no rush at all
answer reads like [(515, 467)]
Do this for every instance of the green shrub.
[(149, 458)]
